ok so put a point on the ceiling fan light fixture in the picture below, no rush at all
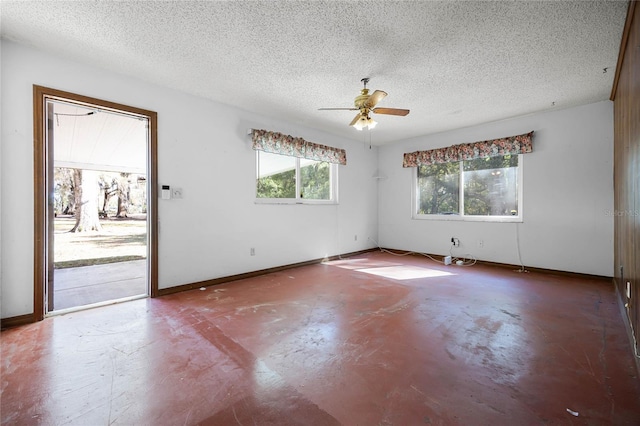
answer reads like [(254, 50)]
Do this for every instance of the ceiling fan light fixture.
[(366, 104), (365, 121), (359, 125)]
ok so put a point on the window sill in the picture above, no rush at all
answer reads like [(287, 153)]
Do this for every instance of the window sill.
[(458, 218), (288, 201)]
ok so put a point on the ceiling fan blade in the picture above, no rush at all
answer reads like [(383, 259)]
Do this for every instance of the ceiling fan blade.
[(355, 120), (391, 111), (375, 97), (337, 109)]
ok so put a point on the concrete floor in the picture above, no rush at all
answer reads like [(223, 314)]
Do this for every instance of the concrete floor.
[(372, 340), (86, 285)]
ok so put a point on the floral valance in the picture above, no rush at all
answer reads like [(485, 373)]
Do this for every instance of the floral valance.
[(277, 143), (520, 144)]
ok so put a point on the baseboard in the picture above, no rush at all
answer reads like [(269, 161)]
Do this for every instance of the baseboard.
[(29, 318), (16, 321), (518, 267), (251, 274), (221, 280)]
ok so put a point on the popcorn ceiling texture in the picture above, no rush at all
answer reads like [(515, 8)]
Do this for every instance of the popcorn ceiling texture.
[(453, 64)]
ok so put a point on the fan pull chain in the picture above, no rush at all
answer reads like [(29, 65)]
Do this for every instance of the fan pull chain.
[(364, 138)]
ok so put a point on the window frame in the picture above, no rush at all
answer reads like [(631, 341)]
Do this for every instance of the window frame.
[(333, 185), (461, 216)]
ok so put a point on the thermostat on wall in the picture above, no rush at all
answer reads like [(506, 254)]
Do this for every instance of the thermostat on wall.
[(166, 192)]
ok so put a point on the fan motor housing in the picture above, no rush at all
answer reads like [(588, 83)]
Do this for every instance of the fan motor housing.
[(360, 101)]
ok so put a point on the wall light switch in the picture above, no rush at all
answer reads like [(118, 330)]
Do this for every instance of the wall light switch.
[(176, 193)]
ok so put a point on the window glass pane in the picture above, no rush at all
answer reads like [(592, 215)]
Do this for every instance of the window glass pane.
[(276, 176), (315, 180), (438, 189), (491, 186)]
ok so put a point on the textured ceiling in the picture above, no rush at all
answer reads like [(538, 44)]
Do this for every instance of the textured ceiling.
[(453, 64)]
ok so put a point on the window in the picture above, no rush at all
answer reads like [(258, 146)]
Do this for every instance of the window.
[(285, 179), (480, 189), (439, 189)]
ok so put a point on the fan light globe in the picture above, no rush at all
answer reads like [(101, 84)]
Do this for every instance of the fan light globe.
[(365, 121)]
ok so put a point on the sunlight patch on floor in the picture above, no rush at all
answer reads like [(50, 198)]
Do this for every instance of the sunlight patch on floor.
[(405, 272), (360, 263), (391, 270)]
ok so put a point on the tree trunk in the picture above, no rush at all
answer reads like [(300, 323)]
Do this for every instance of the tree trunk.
[(86, 194), (73, 198), (64, 190), (105, 203), (123, 195)]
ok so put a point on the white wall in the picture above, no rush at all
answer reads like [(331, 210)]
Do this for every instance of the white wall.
[(202, 148), (568, 190)]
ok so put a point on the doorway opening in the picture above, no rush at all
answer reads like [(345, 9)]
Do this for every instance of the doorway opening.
[(95, 202)]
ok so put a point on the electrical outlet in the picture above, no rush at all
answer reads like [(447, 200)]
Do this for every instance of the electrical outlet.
[(455, 241), (480, 243), (355, 237), (252, 251)]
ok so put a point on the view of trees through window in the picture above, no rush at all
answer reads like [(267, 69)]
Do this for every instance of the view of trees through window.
[(489, 185), (90, 194), (315, 180), (439, 188), (277, 177)]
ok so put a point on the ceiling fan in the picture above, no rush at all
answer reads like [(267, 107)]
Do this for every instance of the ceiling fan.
[(365, 103)]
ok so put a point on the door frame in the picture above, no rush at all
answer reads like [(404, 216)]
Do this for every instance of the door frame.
[(42, 162)]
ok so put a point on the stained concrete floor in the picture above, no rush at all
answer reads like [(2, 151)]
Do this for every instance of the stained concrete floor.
[(371, 340)]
